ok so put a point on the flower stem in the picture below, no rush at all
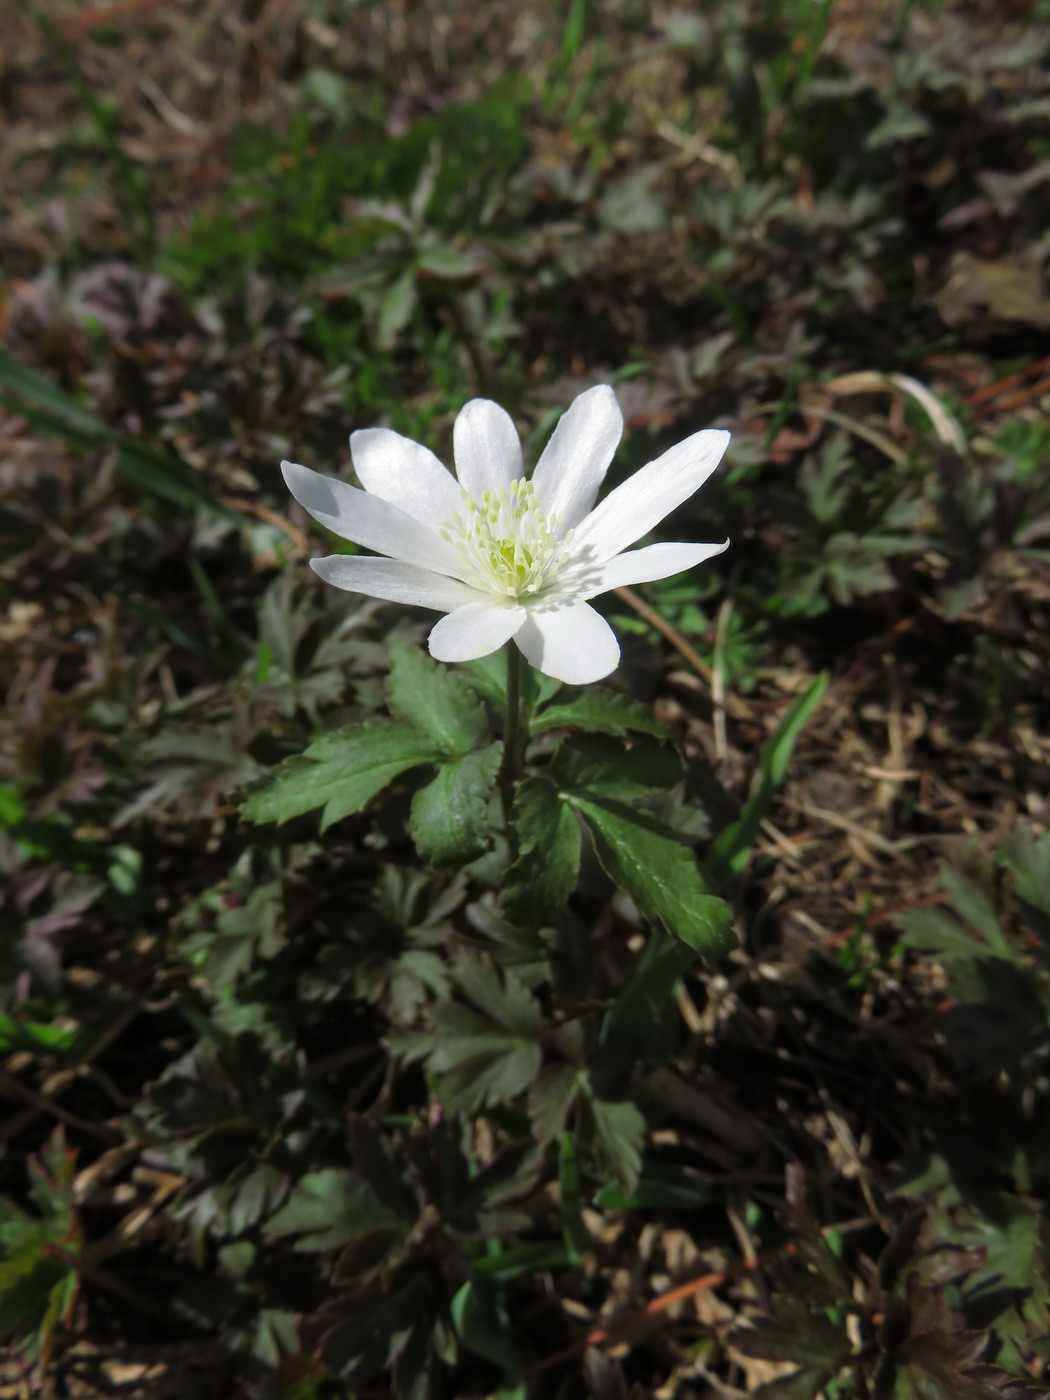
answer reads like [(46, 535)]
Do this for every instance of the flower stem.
[(515, 726)]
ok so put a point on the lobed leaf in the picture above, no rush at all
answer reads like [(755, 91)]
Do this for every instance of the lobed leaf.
[(330, 1208), (449, 820), (600, 767), (434, 699), (543, 877), (601, 712), (659, 872), (341, 772)]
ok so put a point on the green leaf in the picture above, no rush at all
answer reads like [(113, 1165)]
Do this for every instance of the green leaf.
[(661, 1186), (330, 1208), (598, 766), (449, 821), (574, 1229), (341, 772), (524, 1259), (728, 853), (659, 872), (38, 1037), (938, 933), (395, 307), (543, 877), (642, 1025), (435, 699), (511, 1004), (242, 934), (551, 1094), (808, 1384), (488, 676), (972, 903), (486, 1056), (619, 1136), (793, 1333), (447, 261), (599, 711), (483, 1326)]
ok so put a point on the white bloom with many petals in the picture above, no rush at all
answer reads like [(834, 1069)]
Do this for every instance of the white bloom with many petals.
[(502, 556)]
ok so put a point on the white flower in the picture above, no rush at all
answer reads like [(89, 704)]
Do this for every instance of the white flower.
[(502, 556)]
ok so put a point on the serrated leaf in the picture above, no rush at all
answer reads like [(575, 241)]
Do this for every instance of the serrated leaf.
[(378, 1168), (938, 933), (509, 1002), (661, 875), (551, 1095), (435, 699), (807, 1384), (598, 766), (793, 1333), (341, 772), (330, 1208), (543, 877), (619, 1136), (972, 903), (485, 1056), (599, 712), (449, 821)]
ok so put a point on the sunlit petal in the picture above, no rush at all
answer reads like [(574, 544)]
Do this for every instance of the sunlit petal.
[(393, 581), (574, 644), (368, 520), (475, 630), (487, 448), (653, 562), (404, 473), (574, 462), (644, 499)]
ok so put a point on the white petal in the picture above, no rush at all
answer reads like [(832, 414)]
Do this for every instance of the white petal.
[(644, 499), (574, 462), (393, 581), (369, 520), (404, 473), (574, 644), (487, 449), (644, 565), (475, 630)]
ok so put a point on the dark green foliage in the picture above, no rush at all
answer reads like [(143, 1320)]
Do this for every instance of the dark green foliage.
[(40, 1257), (487, 1052), (427, 1103), (538, 885), (659, 872)]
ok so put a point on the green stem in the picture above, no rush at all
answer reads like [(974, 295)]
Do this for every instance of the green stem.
[(515, 727)]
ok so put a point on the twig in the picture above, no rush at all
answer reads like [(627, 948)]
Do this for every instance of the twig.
[(733, 704), (271, 517), (992, 391), (599, 1336), (718, 682), (42, 1104)]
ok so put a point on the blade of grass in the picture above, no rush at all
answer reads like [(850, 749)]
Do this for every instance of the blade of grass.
[(728, 854), (154, 470)]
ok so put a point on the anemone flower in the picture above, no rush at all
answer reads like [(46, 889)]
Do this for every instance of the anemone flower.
[(505, 557)]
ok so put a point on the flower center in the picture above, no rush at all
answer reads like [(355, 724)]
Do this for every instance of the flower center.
[(507, 542)]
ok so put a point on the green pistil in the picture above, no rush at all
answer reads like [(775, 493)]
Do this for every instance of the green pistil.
[(507, 543)]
